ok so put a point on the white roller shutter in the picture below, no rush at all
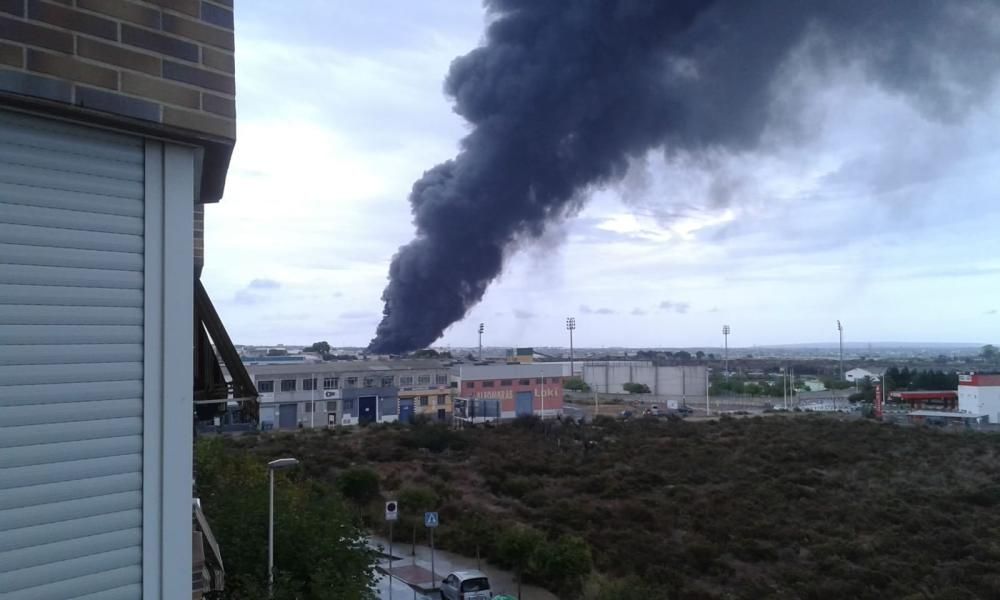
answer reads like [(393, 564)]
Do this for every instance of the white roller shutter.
[(71, 361)]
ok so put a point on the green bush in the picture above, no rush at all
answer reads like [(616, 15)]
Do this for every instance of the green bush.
[(359, 485)]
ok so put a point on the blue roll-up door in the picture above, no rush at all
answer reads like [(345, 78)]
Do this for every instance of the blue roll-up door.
[(406, 410), (71, 360), (288, 416), (524, 406)]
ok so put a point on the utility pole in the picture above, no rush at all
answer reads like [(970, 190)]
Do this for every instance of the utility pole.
[(725, 335), (482, 328), (570, 326), (840, 330)]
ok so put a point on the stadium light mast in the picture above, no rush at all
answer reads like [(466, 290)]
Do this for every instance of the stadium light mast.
[(570, 326), (482, 328), (725, 335), (840, 331)]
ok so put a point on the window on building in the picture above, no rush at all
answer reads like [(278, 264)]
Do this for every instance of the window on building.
[(506, 382), (351, 381), (440, 379), (423, 379), (266, 387), (470, 384), (309, 407), (288, 385), (388, 381), (309, 385), (348, 405), (423, 400), (488, 383), (331, 383), (441, 399), (539, 380), (369, 382), (525, 382), (406, 380)]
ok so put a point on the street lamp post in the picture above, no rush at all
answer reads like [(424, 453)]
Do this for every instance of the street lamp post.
[(725, 354), (570, 326), (482, 328), (274, 465), (840, 331)]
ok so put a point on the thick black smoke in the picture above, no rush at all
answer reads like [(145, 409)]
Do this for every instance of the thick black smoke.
[(564, 93)]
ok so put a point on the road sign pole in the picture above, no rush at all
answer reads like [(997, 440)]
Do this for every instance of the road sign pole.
[(390, 560), (433, 576)]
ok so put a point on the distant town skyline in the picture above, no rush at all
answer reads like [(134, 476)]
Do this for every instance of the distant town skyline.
[(882, 213)]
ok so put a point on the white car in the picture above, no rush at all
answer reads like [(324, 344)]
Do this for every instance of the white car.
[(466, 585)]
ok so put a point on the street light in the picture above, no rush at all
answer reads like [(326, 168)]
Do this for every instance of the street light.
[(840, 330), (274, 465), (725, 335), (570, 326), (482, 328)]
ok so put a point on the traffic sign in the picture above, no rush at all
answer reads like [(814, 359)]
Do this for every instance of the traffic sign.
[(391, 511), (430, 519)]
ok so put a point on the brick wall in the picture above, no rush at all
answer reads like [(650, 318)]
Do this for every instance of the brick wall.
[(167, 61), (164, 63)]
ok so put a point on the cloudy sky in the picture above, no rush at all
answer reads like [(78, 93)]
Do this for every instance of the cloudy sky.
[(875, 212)]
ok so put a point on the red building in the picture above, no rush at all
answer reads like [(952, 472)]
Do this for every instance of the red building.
[(532, 389), (926, 400)]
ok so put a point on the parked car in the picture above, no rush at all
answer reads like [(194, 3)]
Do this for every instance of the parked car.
[(466, 585)]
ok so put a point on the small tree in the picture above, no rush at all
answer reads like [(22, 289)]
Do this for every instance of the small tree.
[(575, 384), (636, 388), (699, 354), (359, 485), (518, 547), (320, 347)]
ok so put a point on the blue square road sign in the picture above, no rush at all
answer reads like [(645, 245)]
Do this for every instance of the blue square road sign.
[(430, 519)]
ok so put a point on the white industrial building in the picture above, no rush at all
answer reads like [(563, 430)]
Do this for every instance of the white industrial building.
[(859, 374), (979, 394)]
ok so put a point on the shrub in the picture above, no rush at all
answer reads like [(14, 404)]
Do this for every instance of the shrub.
[(359, 485)]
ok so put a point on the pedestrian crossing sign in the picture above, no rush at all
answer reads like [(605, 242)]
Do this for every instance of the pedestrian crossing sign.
[(430, 519)]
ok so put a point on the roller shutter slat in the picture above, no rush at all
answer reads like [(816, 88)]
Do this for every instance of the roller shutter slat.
[(52, 295), (38, 216), (70, 470), (60, 393), (30, 374), (70, 529), (70, 334), (69, 354), (71, 361), (98, 204), (47, 454), (65, 550), (31, 275), (97, 586), (21, 314), (75, 412), (69, 490), (35, 235), (72, 509), (74, 568), (47, 256), (71, 182), (72, 431), (55, 160)]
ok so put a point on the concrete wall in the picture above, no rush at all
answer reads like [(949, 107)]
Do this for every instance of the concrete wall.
[(679, 382), (980, 400)]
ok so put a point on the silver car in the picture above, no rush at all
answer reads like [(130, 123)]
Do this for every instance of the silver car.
[(466, 585)]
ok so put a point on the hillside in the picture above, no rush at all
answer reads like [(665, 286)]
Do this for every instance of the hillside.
[(807, 507)]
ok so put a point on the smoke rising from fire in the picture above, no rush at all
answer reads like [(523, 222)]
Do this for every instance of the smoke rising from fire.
[(563, 94)]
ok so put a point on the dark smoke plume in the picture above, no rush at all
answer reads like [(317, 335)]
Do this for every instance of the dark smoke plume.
[(564, 93)]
